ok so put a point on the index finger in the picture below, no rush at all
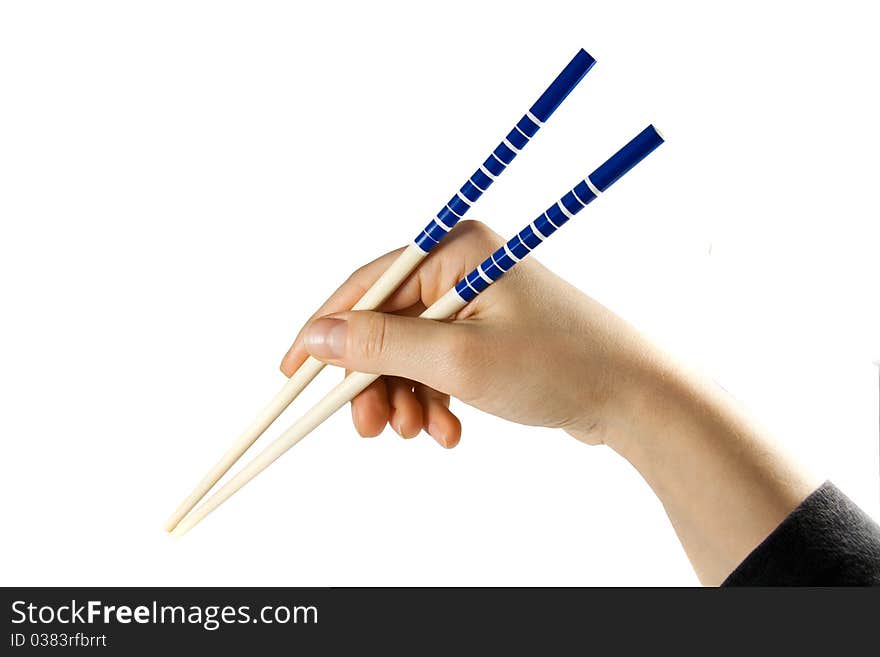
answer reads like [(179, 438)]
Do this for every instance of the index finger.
[(345, 296), (466, 245)]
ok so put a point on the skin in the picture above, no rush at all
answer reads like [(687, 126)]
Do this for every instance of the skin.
[(723, 484)]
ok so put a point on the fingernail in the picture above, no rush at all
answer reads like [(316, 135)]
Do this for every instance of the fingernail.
[(325, 337), (434, 430)]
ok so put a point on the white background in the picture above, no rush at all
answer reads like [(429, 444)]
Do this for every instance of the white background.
[(182, 183)]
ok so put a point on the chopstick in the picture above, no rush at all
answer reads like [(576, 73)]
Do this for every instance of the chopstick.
[(489, 271), (406, 262)]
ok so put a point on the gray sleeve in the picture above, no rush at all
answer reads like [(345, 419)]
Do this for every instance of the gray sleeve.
[(826, 541)]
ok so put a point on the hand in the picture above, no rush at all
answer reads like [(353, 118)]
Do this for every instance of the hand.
[(535, 350), (531, 348)]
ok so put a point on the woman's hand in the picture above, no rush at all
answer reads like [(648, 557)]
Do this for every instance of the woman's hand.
[(535, 350), (531, 348)]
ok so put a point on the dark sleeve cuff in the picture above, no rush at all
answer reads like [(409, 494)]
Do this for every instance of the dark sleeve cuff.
[(826, 541)]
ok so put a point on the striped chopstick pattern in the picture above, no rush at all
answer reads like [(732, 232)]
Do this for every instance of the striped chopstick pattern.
[(513, 143), (524, 242)]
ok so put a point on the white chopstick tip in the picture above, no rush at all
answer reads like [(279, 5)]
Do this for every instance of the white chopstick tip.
[(178, 532), (180, 513)]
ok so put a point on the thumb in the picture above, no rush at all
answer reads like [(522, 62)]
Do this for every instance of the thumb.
[(424, 350)]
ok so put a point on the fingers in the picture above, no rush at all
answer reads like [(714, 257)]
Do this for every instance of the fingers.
[(465, 247), (442, 355), (342, 299), (393, 403), (370, 409), (406, 412), (409, 408), (437, 419)]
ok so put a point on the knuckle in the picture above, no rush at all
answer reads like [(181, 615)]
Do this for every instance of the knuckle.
[(477, 232), (465, 356), (372, 336), (357, 273), (355, 279), (460, 351), (477, 356), (474, 227)]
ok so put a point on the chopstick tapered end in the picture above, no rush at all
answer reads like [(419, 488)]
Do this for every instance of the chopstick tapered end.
[(177, 532), (173, 521)]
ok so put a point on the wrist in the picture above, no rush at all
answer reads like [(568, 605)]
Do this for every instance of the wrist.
[(636, 391), (649, 397), (674, 426)]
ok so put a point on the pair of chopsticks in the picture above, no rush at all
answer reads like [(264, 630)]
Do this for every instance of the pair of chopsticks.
[(489, 271)]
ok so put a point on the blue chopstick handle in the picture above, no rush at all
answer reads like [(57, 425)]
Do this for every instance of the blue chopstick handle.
[(626, 158), (562, 85), (503, 155), (524, 242)]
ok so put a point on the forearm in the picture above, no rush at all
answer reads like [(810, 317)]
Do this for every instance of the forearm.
[(722, 483)]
